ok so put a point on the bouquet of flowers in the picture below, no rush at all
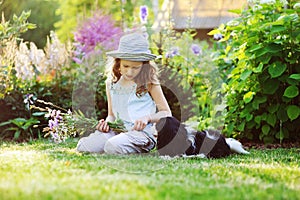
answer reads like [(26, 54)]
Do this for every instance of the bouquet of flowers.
[(63, 123)]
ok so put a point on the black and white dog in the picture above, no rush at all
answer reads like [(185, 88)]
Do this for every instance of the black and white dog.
[(176, 139)]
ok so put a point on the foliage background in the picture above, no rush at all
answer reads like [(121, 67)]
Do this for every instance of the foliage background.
[(246, 84), (43, 14)]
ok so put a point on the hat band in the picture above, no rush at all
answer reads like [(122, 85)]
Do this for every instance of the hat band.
[(133, 56)]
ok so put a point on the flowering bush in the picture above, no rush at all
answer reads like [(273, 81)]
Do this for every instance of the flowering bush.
[(95, 35), (9, 34), (30, 63), (26, 69)]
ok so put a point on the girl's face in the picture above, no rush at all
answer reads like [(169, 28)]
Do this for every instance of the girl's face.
[(130, 69)]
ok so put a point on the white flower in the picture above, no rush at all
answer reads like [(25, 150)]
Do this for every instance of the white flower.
[(297, 6), (38, 58), (267, 1), (256, 7), (284, 2), (48, 114), (233, 23), (56, 52)]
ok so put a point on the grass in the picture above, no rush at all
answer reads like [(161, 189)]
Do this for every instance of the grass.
[(43, 170)]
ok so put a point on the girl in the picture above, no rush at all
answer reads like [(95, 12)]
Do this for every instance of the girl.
[(135, 96)]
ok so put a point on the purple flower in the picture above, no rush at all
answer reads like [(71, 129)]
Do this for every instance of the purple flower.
[(218, 36), (29, 100), (77, 60), (96, 31), (55, 136), (173, 52), (28, 97), (58, 117), (196, 49), (53, 113), (52, 123), (143, 14)]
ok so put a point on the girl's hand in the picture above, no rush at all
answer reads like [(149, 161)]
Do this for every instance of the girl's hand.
[(102, 126), (141, 123)]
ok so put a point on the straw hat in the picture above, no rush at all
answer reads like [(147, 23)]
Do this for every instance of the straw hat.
[(133, 47)]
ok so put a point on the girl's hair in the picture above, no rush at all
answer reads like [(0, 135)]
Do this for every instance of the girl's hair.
[(144, 80)]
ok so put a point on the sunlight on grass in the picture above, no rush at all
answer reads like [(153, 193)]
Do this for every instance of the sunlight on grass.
[(44, 170)]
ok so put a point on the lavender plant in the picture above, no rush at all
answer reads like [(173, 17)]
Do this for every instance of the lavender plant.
[(95, 35)]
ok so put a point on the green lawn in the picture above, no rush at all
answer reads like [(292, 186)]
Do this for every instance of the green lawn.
[(43, 170)]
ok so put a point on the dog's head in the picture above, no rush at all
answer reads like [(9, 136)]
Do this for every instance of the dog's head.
[(172, 137)]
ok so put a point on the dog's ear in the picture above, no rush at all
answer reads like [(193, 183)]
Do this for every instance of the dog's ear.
[(172, 137)]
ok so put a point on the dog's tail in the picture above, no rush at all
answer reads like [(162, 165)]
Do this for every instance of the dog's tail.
[(236, 146)]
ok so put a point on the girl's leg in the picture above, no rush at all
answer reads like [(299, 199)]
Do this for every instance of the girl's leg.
[(129, 142), (94, 143)]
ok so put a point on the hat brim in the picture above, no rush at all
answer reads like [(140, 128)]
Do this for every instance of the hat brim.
[(132, 56)]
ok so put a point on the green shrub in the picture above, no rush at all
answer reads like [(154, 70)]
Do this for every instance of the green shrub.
[(21, 127), (187, 64), (261, 57)]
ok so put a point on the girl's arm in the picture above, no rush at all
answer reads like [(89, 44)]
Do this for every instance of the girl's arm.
[(162, 106), (161, 103), (110, 117), (102, 125)]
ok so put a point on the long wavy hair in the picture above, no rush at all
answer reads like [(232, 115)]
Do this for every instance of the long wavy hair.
[(147, 77)]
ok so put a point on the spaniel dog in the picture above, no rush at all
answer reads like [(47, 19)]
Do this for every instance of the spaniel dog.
[(176, 139)]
